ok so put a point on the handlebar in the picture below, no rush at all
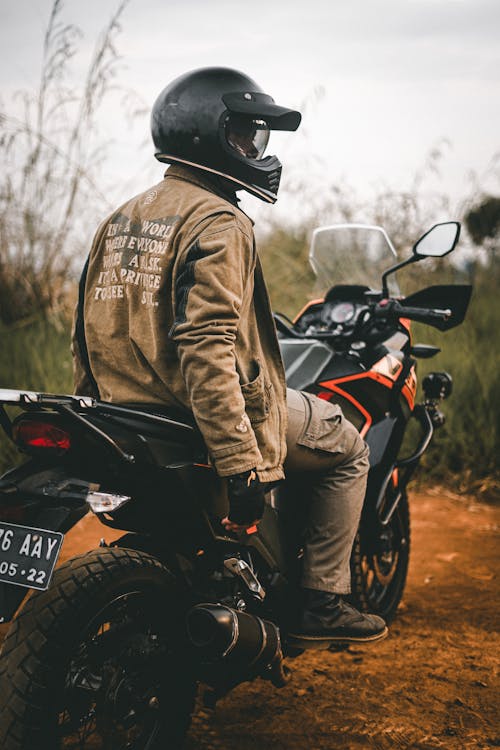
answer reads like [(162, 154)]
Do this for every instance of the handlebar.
[(284, 328), (389, 308), (419, 314), (292, 333)]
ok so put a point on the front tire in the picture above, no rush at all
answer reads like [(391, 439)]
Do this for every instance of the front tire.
[(91, 662), (379, 563)]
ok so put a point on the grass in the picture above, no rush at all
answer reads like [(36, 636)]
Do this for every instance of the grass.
[(35, 356), (465, 451), (463, 454)]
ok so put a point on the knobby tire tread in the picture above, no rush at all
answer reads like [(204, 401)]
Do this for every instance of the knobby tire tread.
[(37, 633)]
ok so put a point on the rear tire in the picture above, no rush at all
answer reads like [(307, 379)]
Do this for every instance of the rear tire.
[(91, 654)]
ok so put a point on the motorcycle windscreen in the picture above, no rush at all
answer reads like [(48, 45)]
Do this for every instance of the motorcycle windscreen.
[(352, 254), (454, 297)]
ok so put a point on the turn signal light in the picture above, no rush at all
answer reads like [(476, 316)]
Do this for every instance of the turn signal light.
[(41, 435), (106, 502)]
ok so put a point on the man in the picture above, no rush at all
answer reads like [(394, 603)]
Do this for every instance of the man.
[(174, 311)]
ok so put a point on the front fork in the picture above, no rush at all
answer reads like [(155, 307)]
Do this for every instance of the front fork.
[(437, 386)]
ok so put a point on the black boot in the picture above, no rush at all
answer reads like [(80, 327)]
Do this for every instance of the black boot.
[(326, 618)]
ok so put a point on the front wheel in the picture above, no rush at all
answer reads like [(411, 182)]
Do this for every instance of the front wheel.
[(379, 563), (92, 662)]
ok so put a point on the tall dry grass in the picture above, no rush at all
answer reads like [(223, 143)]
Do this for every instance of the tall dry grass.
[(50, 158)]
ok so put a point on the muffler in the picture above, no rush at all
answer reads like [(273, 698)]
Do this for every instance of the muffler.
[(246, 641)]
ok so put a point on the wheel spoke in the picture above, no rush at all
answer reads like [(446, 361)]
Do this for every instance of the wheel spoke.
[(101, 686), (103, 682), (380, 560)]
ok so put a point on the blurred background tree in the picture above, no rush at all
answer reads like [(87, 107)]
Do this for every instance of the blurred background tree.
[(483, 221)]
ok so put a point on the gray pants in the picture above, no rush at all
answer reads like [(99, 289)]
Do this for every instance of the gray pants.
[(327, 448)]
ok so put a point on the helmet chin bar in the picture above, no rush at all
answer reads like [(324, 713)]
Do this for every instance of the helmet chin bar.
[(259, 192)]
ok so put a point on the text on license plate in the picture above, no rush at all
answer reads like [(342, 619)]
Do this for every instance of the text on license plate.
[(28, 555)]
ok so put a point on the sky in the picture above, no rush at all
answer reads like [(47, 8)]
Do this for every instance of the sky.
[(380, 82)]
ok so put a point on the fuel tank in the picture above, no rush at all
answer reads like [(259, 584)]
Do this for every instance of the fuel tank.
[(367, 387)]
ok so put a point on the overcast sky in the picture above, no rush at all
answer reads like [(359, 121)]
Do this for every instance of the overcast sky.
[(397, 76)]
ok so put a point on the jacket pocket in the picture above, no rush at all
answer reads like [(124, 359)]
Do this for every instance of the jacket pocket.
[(257, 396), (325, 426)]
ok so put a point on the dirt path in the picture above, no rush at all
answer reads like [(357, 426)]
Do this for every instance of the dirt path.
[(432, 684)]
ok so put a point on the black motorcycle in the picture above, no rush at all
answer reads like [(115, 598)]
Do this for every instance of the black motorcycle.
[(108, 650)]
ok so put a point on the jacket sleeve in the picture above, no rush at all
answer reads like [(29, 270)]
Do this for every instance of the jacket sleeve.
[(211, 279), (83, 385), (83, 379)]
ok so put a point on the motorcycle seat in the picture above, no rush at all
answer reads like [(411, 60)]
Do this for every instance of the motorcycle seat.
[(169, 442), (181, 416)]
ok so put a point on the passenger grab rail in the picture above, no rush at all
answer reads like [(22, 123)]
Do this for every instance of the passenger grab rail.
[(76, 407)]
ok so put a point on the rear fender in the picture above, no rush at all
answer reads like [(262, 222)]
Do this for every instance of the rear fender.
[(151, 545), (44, 497), (36, 497)]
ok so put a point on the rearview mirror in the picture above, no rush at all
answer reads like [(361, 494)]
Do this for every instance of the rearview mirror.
[(438, 241)]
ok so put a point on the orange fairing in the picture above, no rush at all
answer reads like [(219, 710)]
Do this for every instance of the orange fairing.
[(306, 307), (389, 366), (406, 323), (333, 388), (379, 377), (385, 372), (409, 390)]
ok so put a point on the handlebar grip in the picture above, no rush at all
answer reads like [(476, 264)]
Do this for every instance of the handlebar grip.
[(422, 314)]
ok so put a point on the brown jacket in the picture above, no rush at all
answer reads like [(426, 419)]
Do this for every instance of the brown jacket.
[(175, 311)]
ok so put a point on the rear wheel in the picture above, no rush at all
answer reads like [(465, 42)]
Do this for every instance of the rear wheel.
[(379, 564), (92, 663)]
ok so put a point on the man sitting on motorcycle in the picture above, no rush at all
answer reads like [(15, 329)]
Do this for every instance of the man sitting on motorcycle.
[(174, 311)]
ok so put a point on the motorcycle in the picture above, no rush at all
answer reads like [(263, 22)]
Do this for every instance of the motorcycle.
[(109, 648)]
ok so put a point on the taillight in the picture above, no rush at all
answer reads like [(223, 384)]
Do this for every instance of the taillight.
[(28, 434)]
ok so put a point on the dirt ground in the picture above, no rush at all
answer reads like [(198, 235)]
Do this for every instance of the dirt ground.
[(432, 684)]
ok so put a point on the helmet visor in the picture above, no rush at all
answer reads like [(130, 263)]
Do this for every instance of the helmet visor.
[(247, 136)]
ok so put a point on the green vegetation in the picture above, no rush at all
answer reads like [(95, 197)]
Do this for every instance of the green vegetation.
[(36, 357), (464, 453)]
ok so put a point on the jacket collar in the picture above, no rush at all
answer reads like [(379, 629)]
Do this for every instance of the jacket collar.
[(198, 177)]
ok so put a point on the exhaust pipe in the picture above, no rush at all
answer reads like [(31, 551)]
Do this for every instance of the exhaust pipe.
[(220, 632)]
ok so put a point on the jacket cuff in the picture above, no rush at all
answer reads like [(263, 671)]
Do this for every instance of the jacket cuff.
[(237, 458)]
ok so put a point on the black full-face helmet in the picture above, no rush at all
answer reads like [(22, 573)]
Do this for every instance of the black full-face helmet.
[(219, 120)]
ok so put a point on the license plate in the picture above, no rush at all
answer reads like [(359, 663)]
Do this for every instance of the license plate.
[(28, 555)]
